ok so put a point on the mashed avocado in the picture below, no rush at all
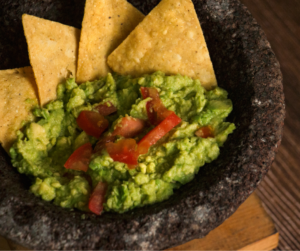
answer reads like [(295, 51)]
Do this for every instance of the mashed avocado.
[(43, 146)]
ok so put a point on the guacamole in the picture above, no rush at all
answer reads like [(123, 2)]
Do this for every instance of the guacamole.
[(44, 146)]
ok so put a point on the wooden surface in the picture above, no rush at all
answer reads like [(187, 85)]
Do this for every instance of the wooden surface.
[(249, 228), (280, 190), (4, 244)]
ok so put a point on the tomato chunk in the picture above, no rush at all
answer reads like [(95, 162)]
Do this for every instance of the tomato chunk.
[(158, 132), (156, 110), (145, 92), (80, 158), (102, 142), (98, 198), (125, 150), (93, 123), (205, 132), (106, 108), (129, 127)]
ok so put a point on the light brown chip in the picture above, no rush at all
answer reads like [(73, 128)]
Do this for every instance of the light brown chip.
[(18, 95), (52, 51), (169, 39), (105, 25)]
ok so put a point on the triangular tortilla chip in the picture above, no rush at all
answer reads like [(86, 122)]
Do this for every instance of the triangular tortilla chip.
[(105, 25), (169, 39), (18, 95), (52, 51)]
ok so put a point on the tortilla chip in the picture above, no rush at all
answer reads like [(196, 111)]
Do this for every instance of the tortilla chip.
[(18, 95), (52, 51), (106, 23), (169, 39)]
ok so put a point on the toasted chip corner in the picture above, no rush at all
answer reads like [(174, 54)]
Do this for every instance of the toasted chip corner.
[(18, 96), (105, 25), (169, 39), (52, 51)]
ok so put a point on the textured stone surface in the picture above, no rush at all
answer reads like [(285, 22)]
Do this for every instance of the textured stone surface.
[(245, 65)]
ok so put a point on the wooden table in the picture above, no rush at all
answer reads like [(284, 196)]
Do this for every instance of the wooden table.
[(280, 190)]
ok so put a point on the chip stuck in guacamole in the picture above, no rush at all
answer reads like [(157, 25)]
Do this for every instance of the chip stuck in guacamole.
[(52, 51), (108, 141), (44, 147), (18, 95), (105, 25), (169, 39)]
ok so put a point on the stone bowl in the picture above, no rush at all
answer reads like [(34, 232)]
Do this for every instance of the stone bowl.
[(245, 66)]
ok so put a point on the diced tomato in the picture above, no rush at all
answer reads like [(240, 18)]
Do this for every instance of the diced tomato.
[(80, 158), (158, 132), (98, 198), (129, 127), (106, 108), (205, 132), (145, 92), (102, 142), (93, 123), (125, 150), (156, 110), (157, 113)]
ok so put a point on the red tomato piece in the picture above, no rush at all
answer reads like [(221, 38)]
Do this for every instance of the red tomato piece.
[(125, 150), (106, 108), (146, 92), (158, 132), (161, 112), (205, 132), (98, 198), (80, 158), (129, 127), (93, 123), (102, 142), (156, 110)]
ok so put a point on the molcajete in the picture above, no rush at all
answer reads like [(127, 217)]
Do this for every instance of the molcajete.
[(245, 66)]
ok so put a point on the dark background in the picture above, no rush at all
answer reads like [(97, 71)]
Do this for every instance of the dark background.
[(280, 190)]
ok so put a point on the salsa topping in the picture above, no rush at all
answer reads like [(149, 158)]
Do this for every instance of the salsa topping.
[(129, 127), (98, 198), (102, 142), (106, 108), (158, 132), (93, 123), (205, 132), (127, 150), (124, 150), (80, 158), (156, 110)]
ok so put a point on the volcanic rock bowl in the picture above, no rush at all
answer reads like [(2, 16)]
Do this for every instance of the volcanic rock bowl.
[(245, 66)]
